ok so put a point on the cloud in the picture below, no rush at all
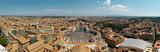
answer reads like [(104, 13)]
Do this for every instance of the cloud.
[(107, 5), (119, 8), (107, 2)]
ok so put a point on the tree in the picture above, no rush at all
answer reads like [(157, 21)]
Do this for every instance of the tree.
[(3, 40), (115, 27)]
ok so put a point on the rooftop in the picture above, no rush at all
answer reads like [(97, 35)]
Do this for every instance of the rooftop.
[(135, 43), (22, 39), (157, 44), (35, 45)]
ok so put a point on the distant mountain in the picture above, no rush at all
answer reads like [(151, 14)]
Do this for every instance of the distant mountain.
[(153, 19)]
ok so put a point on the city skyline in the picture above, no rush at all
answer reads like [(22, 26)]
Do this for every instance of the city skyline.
[(80, 7)]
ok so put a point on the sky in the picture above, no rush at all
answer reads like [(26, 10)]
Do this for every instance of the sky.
[(80, 7)]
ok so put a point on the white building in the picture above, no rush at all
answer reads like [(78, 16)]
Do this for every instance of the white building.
[(2, 49)]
